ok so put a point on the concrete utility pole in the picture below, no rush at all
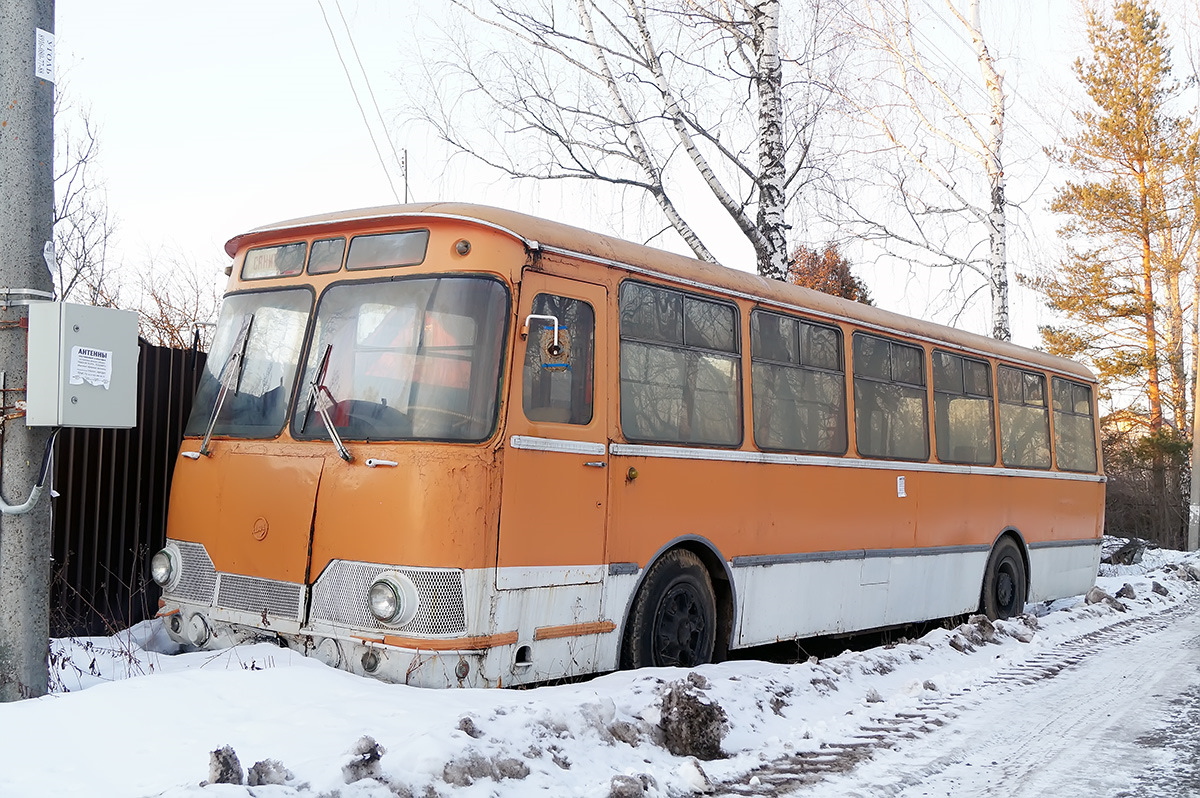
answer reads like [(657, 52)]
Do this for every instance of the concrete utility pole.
[(26, 216)]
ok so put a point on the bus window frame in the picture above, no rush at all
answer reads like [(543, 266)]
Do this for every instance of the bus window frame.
[(242, 276), (289, 410), (925, 389), (991, 397), (737, 357), (800, 365), (341, 262), (379, 233), (1025, 371), (591, 365), (1091, 416), (504, 350)]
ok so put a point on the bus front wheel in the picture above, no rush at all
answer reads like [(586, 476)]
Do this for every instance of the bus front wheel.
[(673, 621), (1004, 582)]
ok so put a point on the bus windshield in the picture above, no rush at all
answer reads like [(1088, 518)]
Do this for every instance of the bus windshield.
[(254, 355), (417, 358)]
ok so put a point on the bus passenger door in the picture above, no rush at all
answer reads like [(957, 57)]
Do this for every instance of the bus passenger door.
[(555, 479)]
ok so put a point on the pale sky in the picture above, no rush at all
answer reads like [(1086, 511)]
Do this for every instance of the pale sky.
[(218, 117)]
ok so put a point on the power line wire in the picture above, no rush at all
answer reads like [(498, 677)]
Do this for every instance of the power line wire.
[(358, 102), (953, 65), (350, 36)]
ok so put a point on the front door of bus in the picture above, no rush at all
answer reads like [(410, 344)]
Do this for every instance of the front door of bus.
[(555, 460)]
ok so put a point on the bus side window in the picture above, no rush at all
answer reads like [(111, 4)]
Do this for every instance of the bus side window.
[(680, 367), (797, 384), (558, 387), (962, 409), (1074, 432), (890, 420), (1024, 418)]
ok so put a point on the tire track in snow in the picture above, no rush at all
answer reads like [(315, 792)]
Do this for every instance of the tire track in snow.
[(793, 773)]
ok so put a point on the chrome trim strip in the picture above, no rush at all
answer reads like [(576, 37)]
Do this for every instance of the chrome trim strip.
[(919, 552), (1058, 544), (774, 303), (751, 560), (738, 456), (557, 445)]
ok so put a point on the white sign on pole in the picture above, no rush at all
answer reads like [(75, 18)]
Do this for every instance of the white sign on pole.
[(43, 62)]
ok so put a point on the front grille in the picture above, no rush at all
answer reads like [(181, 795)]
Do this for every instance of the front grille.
[(340, 597), (256, 595), (198, 577)]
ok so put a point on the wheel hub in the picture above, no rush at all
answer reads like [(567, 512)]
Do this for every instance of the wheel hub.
[(680, 628)]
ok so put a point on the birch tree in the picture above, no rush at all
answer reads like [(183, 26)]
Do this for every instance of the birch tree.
[(942, 154), (653, 98)]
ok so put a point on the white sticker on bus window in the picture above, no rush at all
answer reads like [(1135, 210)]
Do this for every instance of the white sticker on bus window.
[(900, 488), (93, 366)]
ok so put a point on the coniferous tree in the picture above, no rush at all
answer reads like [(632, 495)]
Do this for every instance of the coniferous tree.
[(1131, 227), (1128, 225)]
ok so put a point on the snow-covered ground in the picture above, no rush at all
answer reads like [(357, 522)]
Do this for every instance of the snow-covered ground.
[(957, 712)]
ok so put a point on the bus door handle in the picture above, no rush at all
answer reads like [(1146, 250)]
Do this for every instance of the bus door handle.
[(596, 464)]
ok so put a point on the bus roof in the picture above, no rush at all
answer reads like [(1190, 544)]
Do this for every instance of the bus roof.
[(537, 233)]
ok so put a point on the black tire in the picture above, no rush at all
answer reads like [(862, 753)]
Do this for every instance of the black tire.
[(1004, 582), (673, 621)]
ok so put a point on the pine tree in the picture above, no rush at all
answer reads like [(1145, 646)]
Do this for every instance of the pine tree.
[(1128, 225)]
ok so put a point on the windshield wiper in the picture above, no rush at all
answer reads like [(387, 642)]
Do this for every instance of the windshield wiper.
[(322, 400), (230, 379)]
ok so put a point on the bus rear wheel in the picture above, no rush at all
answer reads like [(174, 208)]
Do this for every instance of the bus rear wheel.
[(1004, 582), (673, 621)]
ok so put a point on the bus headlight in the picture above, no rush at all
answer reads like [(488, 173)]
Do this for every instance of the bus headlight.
[(393, 598), (165, 567)]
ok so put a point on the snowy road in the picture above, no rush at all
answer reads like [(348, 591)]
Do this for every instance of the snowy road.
[(1121, 718), (1075, 699)]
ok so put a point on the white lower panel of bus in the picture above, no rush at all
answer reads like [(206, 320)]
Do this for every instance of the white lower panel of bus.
[(789, 599), (856, 590), (1062, 570), (560, 630)]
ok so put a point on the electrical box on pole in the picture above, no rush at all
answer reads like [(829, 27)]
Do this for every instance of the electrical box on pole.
[(82, 366)]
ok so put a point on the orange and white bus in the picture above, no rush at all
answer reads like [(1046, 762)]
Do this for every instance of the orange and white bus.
[(454, 445)]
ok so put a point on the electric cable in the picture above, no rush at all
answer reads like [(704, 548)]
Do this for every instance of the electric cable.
[(374, 102), (39, 486), (358, 102)]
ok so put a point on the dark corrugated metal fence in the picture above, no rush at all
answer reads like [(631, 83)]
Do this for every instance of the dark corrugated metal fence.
[(111, 513)]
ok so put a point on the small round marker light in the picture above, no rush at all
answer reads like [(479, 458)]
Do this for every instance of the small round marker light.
[(462, 246)]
